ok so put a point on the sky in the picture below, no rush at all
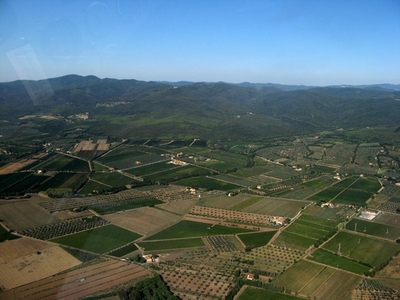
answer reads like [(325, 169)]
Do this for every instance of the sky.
[(282, 41)]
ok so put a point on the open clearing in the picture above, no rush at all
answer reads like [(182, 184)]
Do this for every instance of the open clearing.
[(35, 265), (15, 166), (145, 220), (29, 215), (82, 282)]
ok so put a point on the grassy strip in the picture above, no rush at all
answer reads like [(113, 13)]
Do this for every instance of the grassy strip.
[(246, 203), (252, 293), (124, 250)]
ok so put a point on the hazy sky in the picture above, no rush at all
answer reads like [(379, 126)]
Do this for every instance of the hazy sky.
[(291, 42)]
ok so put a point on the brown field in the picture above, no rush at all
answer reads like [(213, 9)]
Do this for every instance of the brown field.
[(20, 247), (23, 215), (82, 282), (392, 270), (15, 166), (145, 220), (277, 207), (35, 266), (67, 214), (389, 219), (181, 207)]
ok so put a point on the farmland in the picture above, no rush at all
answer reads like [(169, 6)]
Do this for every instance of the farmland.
[(98, 240), (193, 229), (214, 217)]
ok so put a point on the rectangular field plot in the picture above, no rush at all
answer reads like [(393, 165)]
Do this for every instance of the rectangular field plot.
[(352, 197), (34, 266), (294, 241), (222, 200), (93, 187), (253, 293), (362, 248), (97, 277), (375, 229), (114, 179), (145, 220), (276, 207), (337, 261), (120, 252), (208, 183), (99, 240), (125, 157), (297, 277), (172, 244), (151, 168), (29, 216), (63, 180), (193, 229), (369, 185), (8, 180), (179, 172), (28, 184), (109, 208), (64, 163)]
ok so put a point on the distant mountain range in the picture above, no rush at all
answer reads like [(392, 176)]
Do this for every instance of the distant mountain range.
[(138, 109)]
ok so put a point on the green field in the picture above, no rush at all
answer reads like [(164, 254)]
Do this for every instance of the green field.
[(208, 183), (151, 168), (252, 293), (65, 163), (29, 184), (355, 197), (294, 241), (9, 179), (246, 203), (337, 261), (121, 206), (93, 187), (258, 239), (124, 250), (114, 179), (316, 183), (172, 244), (179, 173), (362, 248), (193, 229), (99, 240), (370, 185), (64, 180), (375, 229)]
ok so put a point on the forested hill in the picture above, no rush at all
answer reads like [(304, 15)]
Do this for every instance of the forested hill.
[(137, 109)]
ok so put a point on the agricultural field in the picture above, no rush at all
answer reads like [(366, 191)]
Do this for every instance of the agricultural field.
[(64, 180), (208, 183), (253, 293), (304, 232), (63, 163), (276, 206), (374, 229), (5, 235), (113, 179), (28, 184), (222, 200), (8, 180), (122, 206), (373, 252), (99, 240), (145, 220), (171, 244), (34, 266), (151, 168), (179, 173), (93, 187), (338, 261), (193, 229), (30, 215), (125, 157), (258, 239), (83, 282), (314, 280)]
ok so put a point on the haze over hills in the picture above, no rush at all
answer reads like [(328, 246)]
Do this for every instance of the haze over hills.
[(131, 108)]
